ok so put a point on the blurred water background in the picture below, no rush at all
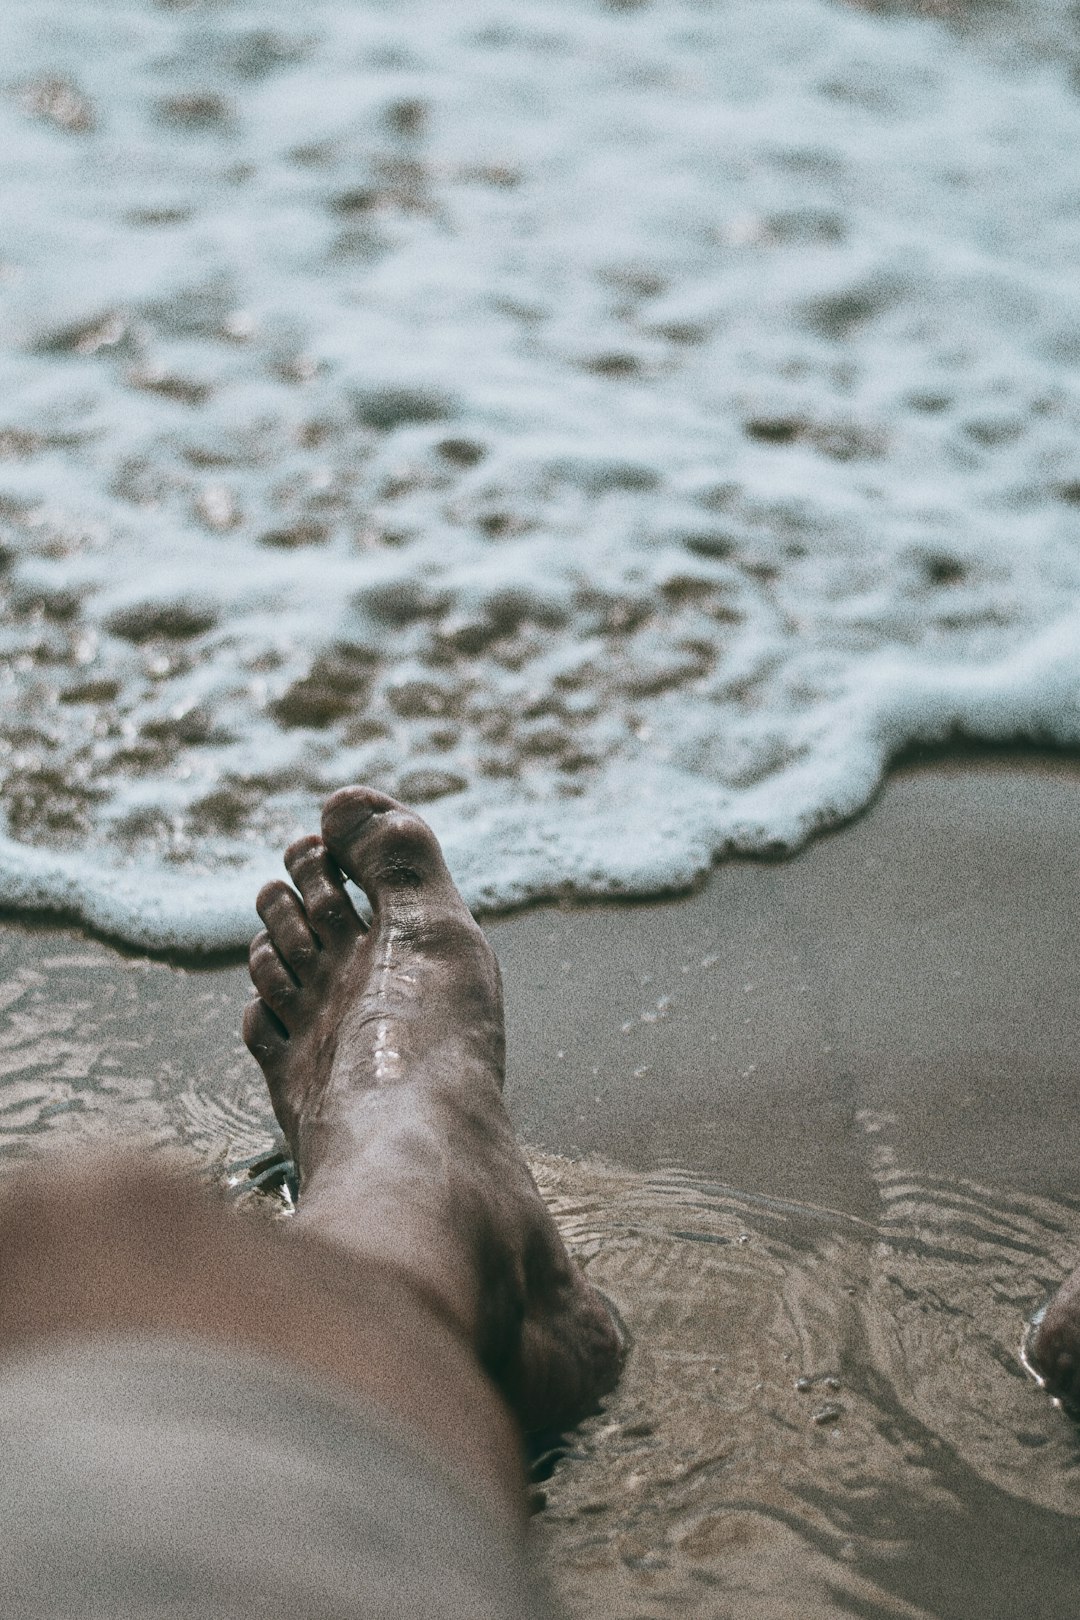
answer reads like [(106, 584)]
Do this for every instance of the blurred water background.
[(618, 428)]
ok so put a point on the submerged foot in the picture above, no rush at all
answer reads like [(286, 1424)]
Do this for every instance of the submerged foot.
[(1055, 1349), (383, 1051)]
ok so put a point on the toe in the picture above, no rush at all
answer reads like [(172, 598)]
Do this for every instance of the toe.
[(384, 847), (264, 1036), (288, 927), (267, 1040), (329, 910), (273, 980)]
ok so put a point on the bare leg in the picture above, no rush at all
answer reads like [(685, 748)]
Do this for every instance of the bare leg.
[(424, 1270)]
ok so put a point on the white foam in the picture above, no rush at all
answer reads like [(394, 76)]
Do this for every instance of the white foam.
[(620, 429)]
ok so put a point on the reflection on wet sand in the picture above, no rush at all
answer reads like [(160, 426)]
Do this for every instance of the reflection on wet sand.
[(824, 1414), (866, 1058)]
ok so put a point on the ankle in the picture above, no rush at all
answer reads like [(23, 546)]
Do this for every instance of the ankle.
[(414, 1238)]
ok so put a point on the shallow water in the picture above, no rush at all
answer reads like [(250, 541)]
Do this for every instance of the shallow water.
[(823, 1416), (621, 428), (825, 1412)]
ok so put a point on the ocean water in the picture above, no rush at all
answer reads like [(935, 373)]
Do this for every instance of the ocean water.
[(618, 428)]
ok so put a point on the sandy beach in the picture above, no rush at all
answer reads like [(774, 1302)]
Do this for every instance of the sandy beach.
[(627, 432), (814, 1129), (918, 965)]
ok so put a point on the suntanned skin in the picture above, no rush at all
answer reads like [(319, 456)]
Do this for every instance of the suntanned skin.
[(423, 1270)]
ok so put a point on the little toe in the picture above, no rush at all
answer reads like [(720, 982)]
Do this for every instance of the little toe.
[(264, 1036), (273, 980), (386, 849), (329, 910), (288, 927), (268, 1042)]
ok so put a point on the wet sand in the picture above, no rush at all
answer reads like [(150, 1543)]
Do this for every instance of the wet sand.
[(920, 964), (815, 1129)]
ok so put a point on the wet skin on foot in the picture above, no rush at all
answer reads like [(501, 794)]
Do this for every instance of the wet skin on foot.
[(383, 1050)]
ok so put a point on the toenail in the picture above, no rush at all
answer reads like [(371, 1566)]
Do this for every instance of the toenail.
[(309, 843), (304, 857)]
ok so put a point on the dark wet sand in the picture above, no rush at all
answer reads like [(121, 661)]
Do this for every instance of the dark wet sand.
[(860, 1065), (923, 962)]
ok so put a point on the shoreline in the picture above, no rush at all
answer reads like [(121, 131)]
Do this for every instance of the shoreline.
[(956, 753), (917, 965)]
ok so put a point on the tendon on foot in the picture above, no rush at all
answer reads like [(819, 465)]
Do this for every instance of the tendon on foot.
[(383, 1051)]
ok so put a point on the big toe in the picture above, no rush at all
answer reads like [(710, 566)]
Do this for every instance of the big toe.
[(386, 848)]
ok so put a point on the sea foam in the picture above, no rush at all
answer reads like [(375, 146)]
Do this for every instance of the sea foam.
[(618, 429)]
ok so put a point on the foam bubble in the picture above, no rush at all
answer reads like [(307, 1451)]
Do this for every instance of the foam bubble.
[(620, 432)]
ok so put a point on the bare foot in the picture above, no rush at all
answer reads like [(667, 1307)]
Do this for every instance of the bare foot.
[(1055, 1350), (383, 1052)]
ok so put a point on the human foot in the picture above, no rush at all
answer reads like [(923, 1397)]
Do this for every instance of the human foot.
[(1055, 1349), (383, 1052)]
